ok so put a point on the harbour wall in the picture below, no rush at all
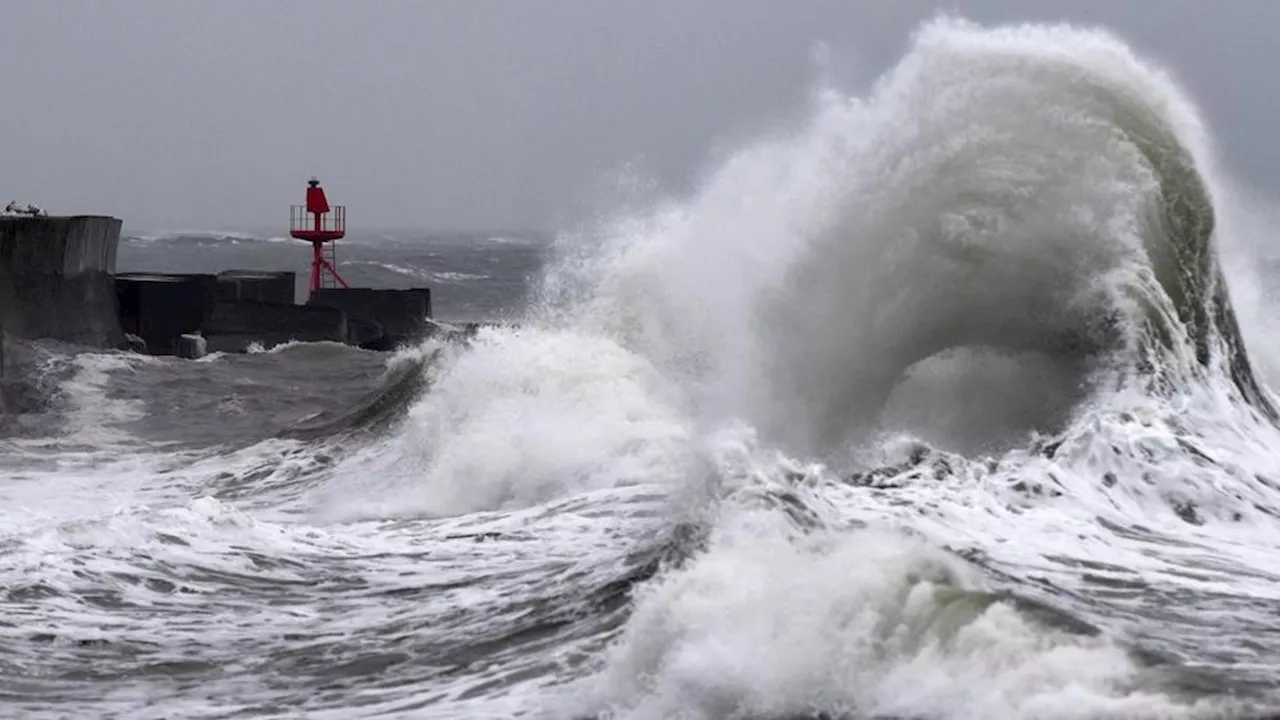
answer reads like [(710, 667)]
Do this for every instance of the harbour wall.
[(235, 310), (379, 319), (57, 279)]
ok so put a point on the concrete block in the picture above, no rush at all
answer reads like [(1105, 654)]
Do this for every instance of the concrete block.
[(276, 288), (160, 307), (381, 319), (191, 347), (56, 278), (233, 327)]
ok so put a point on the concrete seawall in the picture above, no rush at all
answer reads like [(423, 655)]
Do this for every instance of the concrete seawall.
[(56, 279), (231, 310), (234, 326), (380, 319), (274, 287), (160, 307)]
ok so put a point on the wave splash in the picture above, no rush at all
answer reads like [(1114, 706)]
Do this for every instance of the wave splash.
[(1034, 193), (1012, 235), (861, 625)]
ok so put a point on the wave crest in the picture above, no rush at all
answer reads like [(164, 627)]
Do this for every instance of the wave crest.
[(1034, 192)]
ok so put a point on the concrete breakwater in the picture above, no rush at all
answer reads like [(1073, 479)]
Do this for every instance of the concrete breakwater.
[(58, 281)]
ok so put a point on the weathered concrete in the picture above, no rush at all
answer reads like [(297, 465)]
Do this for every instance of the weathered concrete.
[(56, 278), (233, 327), (380, 319), (224, 310), (160, 307), (277, 288)]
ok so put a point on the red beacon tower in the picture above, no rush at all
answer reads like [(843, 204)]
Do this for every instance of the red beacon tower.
[(319, 224)]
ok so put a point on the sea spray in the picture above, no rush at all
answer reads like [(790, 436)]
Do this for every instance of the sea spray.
[(1030, 201)]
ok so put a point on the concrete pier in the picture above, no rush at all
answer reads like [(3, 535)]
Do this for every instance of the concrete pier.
[(161, 307), (231, 311), (260, 286), (56, 279), (380, 319), (233, 327)]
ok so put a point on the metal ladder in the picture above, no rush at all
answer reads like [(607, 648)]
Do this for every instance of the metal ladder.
[(331, 254)]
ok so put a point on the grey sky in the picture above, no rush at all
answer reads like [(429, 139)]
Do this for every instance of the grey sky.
[(489, 113)]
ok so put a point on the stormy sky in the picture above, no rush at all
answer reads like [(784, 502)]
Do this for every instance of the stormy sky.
[(491, 114)]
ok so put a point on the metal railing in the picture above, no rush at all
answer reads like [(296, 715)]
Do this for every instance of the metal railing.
[(333, 221)]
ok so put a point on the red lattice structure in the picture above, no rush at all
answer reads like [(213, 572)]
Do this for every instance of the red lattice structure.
[(319, 224)]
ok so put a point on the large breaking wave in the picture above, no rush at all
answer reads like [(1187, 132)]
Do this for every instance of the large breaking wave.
[(1030, 199), (983, 304), (1007, 249)]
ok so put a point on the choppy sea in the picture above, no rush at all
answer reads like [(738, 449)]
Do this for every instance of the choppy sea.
[(952, 401)]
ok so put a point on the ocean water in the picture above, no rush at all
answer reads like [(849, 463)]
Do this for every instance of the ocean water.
[(952, 401)]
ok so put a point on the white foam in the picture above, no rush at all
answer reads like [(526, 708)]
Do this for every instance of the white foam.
[(94, 419), (524, 417), (860, 625)]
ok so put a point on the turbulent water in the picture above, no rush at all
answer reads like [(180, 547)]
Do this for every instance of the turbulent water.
[(949, 402)]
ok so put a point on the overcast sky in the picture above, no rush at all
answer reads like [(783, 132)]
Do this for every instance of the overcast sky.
[(490, 114)]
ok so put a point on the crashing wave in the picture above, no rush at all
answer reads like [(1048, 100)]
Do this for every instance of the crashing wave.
[(1033, 198)]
